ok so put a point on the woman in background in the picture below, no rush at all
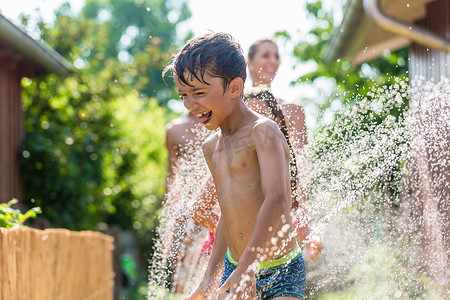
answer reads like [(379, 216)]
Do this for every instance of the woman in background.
[(263, 61)]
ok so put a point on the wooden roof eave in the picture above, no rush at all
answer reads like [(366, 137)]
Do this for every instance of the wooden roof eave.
[(346, 38), (361, 22), (411, 31), (36, 52)]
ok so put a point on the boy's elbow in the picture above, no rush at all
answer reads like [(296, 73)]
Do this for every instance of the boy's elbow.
[(283, 204), (280, 201)]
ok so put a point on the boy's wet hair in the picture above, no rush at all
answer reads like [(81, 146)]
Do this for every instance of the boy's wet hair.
[(218, 54)]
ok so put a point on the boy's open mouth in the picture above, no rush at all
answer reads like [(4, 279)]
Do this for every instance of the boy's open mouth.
[(204, 117)]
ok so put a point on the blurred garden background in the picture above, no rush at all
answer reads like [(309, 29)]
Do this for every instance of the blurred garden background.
[(94, 157)]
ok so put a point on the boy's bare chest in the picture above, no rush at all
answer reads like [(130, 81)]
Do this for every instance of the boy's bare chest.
[(234, 154)]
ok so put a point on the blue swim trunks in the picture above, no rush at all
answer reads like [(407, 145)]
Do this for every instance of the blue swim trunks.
[(284, 276)]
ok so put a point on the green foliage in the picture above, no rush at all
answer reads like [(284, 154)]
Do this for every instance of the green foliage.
[(362, 154), (10, 217), (141, 33), (66, 140), (163, 293), (94, 143), (142, 164), (347, 81), (364, 104), (371, 103), (358, 158), (377, 277), (384, 274)]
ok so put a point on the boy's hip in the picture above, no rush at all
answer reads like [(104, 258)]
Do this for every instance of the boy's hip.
[(284, 276), (272, 263)]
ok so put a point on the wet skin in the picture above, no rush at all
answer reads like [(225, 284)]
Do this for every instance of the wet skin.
[(234, 156)]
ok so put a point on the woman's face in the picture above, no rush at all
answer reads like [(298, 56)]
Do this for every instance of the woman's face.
[(264, 65)]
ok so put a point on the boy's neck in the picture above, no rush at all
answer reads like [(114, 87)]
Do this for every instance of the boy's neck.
[(240, 116)]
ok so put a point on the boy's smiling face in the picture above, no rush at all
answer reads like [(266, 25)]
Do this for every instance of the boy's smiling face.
[(208, 102)]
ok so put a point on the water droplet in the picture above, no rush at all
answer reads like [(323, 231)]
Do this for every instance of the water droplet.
[(69, 141)]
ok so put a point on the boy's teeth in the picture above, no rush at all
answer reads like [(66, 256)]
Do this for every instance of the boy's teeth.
[(204, 116)]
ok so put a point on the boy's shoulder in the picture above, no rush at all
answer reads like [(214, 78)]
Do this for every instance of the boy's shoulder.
[(266, 132), (263, 121), (263, 124), (260, 127), (210, 141)]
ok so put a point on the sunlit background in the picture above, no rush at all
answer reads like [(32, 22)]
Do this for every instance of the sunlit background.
[(89, 147), (247, 21)]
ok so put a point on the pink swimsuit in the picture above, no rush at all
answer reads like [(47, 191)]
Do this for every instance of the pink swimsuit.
[(208, 243)]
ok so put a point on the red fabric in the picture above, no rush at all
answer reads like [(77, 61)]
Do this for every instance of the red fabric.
[(208, 243)]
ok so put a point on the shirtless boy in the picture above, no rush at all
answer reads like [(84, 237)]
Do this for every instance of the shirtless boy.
[(249, 161)]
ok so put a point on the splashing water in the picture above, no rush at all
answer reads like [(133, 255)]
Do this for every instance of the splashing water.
[(379, 192), (384, 235), (176, 264)]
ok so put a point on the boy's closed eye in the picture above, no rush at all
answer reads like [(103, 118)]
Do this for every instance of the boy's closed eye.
[(196, 94)]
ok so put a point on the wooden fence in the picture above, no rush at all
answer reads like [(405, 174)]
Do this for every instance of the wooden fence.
[(55, 264)]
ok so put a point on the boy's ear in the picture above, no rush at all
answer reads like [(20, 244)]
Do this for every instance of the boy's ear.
[(236, 87)]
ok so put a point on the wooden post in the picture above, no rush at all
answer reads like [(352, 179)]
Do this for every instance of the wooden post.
[(431, 145)]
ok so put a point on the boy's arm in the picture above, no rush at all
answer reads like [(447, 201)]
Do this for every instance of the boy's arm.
[(273, 155)]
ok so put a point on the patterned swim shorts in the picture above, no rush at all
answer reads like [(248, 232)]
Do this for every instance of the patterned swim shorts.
[(284, 276)]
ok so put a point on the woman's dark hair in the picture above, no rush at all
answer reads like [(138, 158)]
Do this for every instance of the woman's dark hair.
[(218, 54), (275, 109)]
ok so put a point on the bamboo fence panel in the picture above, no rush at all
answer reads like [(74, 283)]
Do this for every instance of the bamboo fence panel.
[(55, 264)]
